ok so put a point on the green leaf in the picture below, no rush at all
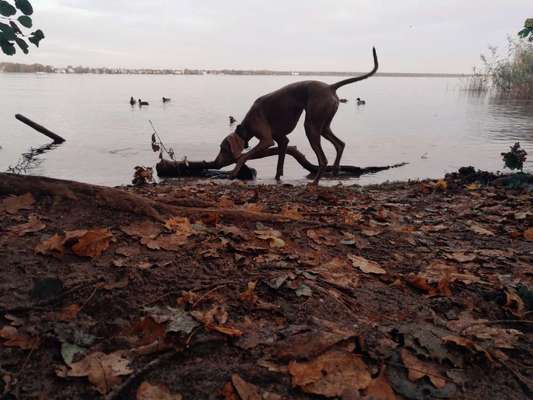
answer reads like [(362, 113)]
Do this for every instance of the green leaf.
[(6, 9), (15, 27), (7, 31), (7, 47), (523, 33), (23, 45), (36, 37), (25, 21), (24, 6)]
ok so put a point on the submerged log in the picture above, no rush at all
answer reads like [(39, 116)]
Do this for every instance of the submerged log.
[(179, 169), (39, 128)]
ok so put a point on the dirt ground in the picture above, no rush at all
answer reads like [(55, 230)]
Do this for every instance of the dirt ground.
[(419, 290)]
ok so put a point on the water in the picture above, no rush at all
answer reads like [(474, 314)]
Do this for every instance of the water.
[(428, 122)]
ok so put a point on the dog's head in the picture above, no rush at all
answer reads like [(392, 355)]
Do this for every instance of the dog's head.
[(231, 148)]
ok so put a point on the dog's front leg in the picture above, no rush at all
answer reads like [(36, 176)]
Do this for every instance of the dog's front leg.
[(283, 142), (258, 148)]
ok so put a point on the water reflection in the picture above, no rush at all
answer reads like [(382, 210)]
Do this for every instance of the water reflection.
[(30, 160), (513, 119)]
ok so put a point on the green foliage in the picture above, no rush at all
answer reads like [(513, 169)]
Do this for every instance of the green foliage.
[(11, 33), (515, 158), (527, 32)]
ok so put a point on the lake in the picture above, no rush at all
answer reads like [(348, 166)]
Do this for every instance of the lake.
[(428, 122)]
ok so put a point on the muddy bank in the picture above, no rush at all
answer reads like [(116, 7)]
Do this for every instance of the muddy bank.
[(409, 290)]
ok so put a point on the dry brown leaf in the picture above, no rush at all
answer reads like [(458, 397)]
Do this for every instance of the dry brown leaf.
[(476, 228), (15, 339), (145, 229), (228, 392), (246, 390), (34, 224), (149, 391), (422, 283), (418, 369), (174, 242), (128, 251), (179, 225), (249, 295), (67, 313), (461, 257), (322, 236), (331, 374), (528, 234), (291, 211), (467, 344), (51, 246), (514, 303), (273, 237), (380, 389), (226, 330), (102, 370), (367, 266), (371, 231), (93, 243), (226, 202), (14, 204)]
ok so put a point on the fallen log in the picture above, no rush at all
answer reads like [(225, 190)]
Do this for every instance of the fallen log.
[(39, 128), (178, 169), (119, 199)]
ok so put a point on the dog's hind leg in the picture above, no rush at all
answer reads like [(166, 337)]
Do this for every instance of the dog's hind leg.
[(282, 142), (313, 133), (338, 144)]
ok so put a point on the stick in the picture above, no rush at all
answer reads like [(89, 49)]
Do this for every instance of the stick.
[(115, 394), (39, 128)]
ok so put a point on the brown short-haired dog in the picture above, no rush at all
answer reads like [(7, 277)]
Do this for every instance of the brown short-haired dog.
[(273, 116)]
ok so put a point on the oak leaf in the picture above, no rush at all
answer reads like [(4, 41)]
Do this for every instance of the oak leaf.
[(93, 243)]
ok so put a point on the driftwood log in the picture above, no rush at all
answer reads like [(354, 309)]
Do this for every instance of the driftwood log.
[(39, 128), (177, 169), (119, 199)]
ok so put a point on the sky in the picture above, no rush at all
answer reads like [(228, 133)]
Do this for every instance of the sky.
[(315, 35)]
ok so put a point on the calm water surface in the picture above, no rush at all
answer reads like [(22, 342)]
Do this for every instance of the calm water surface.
[(428, 122)]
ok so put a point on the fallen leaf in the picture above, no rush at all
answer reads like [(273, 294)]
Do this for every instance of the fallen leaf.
[(461, 257), (514, 303), (304, 291), (67, 313), (232, 232), (367, 266), (16, 339), (331, 374), (528, 234), (128, 251), (226, 202), (179, 225), (419, 369), (149, 391), (421, 282), (228, 392), (226, 330), (102, 370), (34, 224), (273, 237), (51, 246), (322, 236), (371, 231), (145, 229), (380, 389), (174, 242), (351, 217), (177, 319), (473, 186), (14, 204), (476, 228), (246, 390), (93, 243), (291, 211), (467, 344), (441, 184)]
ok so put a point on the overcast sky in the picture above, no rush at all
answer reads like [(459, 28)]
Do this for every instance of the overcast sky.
[(327, 35)]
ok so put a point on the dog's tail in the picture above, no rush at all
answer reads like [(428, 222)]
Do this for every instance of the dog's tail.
[(337, 85)]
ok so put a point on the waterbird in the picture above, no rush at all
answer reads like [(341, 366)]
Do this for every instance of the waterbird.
[(360, 102), (132, 101)]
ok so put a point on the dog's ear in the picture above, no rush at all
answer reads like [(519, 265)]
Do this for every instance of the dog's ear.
[(233, 144)]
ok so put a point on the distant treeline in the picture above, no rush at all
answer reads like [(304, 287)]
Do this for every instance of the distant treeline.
[(13, 67)]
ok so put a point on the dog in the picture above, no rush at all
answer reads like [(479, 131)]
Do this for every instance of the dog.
[(273, 116)]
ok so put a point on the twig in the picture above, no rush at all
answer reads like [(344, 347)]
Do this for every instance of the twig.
[(115, 394), (89, 299), (207, 294)]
